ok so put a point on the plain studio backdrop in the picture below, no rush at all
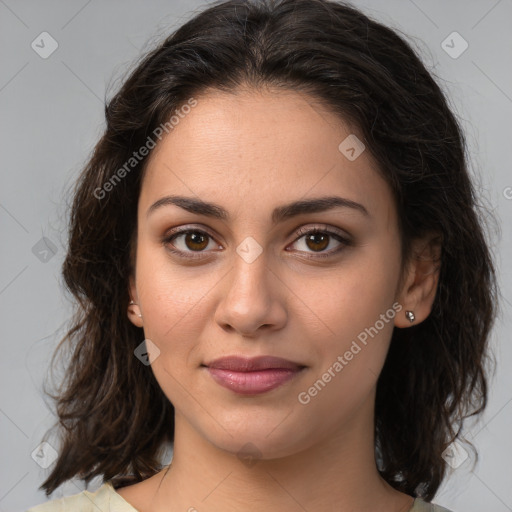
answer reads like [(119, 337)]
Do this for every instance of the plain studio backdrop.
[(52, 113)]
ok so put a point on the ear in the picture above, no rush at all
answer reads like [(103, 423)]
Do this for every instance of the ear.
[(134, 309), (420, 281)]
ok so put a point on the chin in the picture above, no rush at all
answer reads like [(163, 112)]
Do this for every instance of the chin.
[(264, 439)]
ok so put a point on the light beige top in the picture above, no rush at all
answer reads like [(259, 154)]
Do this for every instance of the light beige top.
[(106, 499)]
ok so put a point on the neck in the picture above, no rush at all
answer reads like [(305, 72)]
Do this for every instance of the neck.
[(339, 473)]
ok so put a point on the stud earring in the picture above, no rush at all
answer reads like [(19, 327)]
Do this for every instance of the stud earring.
[(133, 304), (410, 316)]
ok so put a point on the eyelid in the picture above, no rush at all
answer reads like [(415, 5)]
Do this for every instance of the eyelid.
[(304, 230), (186, 228)]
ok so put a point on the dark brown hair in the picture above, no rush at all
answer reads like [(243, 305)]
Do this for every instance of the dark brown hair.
[(114, 419)]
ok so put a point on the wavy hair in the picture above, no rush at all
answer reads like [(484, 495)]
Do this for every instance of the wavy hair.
[(113, 418)]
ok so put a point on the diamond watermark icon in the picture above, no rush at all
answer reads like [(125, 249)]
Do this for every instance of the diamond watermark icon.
[(455, 455), (44, 455), (249, 249), (454, 45), (44, 45), (44, 250), (351, 147), (249, 454), (147, 352)]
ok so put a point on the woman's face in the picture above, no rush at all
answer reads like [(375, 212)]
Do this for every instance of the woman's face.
[(249, 284)]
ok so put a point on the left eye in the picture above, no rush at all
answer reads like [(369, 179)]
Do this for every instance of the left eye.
[(318, 240)]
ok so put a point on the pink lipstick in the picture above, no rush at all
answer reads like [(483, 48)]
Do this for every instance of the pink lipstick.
[(250, 376)]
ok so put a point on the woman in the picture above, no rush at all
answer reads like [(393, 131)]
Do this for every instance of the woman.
[(279, 271)]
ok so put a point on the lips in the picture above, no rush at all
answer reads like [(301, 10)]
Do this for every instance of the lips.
[(250, 376), (242, 364)]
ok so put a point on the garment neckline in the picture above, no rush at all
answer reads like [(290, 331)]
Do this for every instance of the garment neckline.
[(112, 490)]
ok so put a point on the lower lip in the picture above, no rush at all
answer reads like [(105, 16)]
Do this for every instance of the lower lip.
[(254, 382)]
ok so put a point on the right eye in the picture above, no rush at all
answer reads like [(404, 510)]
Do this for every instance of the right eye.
[(189, 241)]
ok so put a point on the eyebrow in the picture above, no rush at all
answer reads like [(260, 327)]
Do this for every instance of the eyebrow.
[(279, 214)]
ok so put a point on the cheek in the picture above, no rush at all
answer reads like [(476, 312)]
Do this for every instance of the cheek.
[(347, 300), (174, 320), (355, 306), (173, 303), (350, 361)]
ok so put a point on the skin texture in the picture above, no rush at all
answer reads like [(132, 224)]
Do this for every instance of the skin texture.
[(251, 152)]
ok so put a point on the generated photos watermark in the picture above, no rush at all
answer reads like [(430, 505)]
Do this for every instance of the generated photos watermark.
[(143, 151), (304, 397)]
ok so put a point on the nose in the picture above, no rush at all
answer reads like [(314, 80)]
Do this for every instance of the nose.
[(254, 298)]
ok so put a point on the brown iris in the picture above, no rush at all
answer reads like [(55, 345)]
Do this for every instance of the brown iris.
[(196, 240), (317, 238)]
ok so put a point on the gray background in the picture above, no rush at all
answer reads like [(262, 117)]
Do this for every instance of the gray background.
[(51, 116)]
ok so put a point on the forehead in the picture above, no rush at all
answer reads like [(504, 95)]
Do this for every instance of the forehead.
[(263, 148)]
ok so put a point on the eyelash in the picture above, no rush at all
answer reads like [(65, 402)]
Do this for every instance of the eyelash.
[(299, 234)]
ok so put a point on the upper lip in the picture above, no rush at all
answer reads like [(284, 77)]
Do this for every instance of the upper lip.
[(247, 364)]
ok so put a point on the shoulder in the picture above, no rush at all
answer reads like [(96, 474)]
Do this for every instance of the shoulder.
[(105, 498), (423, 506)]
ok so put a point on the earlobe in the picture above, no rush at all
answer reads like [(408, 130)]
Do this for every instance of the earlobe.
[(134, 313), (420, 287)]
